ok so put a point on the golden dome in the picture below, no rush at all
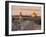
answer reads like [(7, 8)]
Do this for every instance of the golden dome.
[(34, 14)]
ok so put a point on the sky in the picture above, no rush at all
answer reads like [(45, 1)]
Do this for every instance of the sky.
[(25, 10)]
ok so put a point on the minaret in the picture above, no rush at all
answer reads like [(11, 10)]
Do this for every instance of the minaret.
[(20, 14), (20, 17), (20, 20)]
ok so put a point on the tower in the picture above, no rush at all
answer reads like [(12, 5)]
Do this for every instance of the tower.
[(20, 17), (20, 21)]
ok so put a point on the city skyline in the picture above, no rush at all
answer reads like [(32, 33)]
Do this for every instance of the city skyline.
[(25, 10)]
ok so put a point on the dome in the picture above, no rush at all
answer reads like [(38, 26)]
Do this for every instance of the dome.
[(34, 14)]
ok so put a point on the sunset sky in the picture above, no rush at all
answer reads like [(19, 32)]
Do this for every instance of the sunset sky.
[(26, 10)]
